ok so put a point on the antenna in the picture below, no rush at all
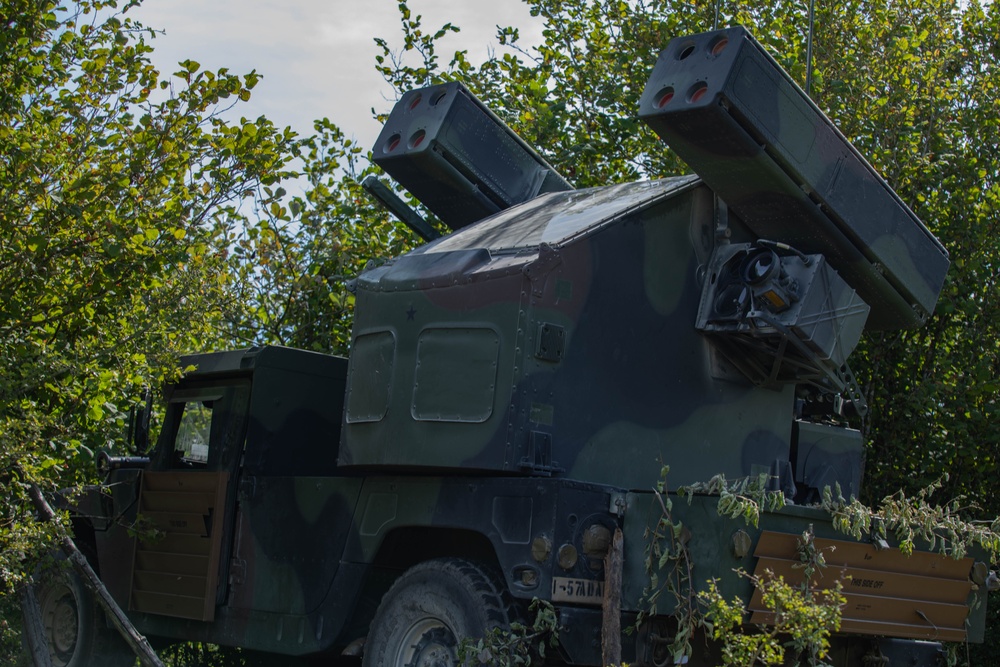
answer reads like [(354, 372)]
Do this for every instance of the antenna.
[(809, 48)]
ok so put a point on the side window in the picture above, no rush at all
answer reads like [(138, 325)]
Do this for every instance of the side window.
[(206, 425), (194, 434)]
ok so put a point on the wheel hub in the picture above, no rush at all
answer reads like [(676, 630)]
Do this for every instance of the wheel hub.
[(429, 643), (64, 625), (61, 621)]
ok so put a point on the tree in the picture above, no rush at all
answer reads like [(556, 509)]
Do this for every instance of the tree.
[(934, 133), (293, 265), (118, 196)]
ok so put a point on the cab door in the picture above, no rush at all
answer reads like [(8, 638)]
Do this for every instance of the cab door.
[(187, 502)]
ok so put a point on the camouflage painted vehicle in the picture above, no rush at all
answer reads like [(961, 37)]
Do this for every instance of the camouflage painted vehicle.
[(514, 387)]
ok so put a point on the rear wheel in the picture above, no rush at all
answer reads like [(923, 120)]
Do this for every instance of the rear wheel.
[(74, 626), (430, 610)]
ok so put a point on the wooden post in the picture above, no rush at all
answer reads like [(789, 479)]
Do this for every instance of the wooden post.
[(611, 628), (124, 626)]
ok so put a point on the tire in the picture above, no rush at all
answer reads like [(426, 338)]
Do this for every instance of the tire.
[(429, 610), (74, 625)]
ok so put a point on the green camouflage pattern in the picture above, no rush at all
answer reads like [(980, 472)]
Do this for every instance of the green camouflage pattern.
[(579, 306), (726, 107)]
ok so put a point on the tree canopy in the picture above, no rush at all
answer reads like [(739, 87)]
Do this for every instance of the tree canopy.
[(121, 193)]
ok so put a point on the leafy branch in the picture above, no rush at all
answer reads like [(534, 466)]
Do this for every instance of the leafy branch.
[(666, 552), (745, 497), (519, 644), (912, 518), (800, 617), (803, 617)]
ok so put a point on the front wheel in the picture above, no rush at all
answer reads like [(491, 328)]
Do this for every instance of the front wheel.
[(426, 614), (74, 627)]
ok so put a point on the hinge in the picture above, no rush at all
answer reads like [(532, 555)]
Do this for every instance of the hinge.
[(536, 271), (538, 460), (618, 503)]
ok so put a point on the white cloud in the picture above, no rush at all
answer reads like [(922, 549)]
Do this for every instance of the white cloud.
[(317, 57)]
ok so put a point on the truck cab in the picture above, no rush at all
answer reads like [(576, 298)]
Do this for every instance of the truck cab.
[(229, 536)]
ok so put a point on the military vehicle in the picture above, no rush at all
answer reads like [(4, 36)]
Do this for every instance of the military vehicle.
[(514, 388)]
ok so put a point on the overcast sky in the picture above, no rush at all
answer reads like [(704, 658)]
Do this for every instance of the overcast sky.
[(317, 57)]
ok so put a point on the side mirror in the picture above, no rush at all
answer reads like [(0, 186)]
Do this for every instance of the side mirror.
[(138, 425), (107, 463)]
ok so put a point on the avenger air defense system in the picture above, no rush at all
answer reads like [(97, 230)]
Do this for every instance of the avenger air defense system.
[(514, 388)]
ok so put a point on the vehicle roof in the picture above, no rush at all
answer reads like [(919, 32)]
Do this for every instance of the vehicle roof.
[(559, 218), (509, 240), (266, 356)]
